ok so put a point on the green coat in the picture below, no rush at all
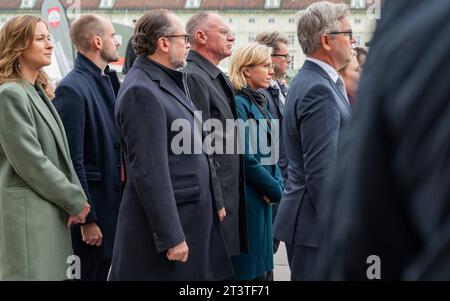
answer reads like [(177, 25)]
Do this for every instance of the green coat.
[(38, 187)]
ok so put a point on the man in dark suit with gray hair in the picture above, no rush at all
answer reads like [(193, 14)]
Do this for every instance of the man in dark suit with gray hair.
[(168, 227), (316, 110)]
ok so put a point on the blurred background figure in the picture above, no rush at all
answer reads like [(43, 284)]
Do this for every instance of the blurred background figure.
[(350, 74), (130, 55), (361, 56), (40, 195), (251, 69), (392, 198)]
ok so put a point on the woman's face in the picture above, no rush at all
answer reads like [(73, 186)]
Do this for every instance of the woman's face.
[(39, 54), (351, 76), (258, 77)]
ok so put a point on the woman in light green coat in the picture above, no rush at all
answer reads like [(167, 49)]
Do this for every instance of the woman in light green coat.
[(40, 195)]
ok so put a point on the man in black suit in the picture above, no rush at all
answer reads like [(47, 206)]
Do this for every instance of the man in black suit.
[(316, 110), (168, 227), (85, 100), (212, 42), (392, 196)]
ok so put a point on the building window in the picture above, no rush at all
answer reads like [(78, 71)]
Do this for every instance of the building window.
[(27, 4), (271, 20), (2, 20), (272, 4), (292, 63), (106, 4), (230, 20), (193, 3), (251, 20), (291, 39), (291, 20), (358, 41), (251, 37), (357, 21), (358, 4)]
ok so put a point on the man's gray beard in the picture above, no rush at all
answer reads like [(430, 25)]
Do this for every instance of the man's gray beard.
[(177, 64)]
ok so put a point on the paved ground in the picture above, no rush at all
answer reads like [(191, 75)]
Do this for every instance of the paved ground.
[(281, 272)]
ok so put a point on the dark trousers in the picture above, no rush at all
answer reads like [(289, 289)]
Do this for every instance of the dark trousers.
[(302, 262), (94, 269)]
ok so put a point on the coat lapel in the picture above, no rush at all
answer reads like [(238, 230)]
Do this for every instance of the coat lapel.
[(51, 117)]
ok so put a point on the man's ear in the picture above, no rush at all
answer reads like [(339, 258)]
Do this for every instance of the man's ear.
[(201, 37), (98, 42), (163, 45), (325, 42)]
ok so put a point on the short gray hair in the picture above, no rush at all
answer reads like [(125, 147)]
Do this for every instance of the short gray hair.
[(197, 22), (318, 19)]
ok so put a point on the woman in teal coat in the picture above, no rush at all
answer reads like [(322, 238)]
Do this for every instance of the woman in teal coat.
[(40, 195), (251, 69)]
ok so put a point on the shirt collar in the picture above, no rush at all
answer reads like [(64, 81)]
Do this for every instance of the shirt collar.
[(332, 73)]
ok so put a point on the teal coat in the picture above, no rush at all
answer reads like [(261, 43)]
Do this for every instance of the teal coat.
[(261, 180), (38, 187)]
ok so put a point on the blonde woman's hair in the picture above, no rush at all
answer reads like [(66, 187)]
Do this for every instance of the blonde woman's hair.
[(16, 36), (249, 55)]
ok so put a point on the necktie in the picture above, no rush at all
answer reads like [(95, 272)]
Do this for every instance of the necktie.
[(341, 87)]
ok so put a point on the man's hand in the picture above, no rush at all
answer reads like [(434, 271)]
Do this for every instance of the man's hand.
[(92, 235), (81, 217), (267, 200), (222, 214), (179, 252)]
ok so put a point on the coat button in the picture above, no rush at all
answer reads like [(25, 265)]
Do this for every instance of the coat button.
[(117, 145), (155, 236), (118, 188)]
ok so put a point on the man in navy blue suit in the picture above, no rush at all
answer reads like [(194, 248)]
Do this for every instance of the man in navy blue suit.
[(316, 110), (168, 226), (85, 100)]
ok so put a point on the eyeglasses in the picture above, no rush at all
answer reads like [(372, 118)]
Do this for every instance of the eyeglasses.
[(287, 57), (186, 37), (349, 33)]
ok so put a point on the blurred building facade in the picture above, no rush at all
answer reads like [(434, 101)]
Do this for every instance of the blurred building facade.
[(246, 18)]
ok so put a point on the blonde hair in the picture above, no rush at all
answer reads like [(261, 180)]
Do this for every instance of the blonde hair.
[(16, 36), (249, 55)]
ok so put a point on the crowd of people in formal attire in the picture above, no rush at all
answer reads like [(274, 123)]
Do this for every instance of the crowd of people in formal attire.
[(90, 169)]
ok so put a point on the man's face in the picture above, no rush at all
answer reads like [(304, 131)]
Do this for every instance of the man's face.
[(219, 37), (178, 47), (281, 61), (110, 44), (341, 45)]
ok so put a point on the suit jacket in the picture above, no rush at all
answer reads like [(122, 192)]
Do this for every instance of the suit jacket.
[(38, 187), (315, 113), (168, 195), (85, 101), (392, 196), (221, 105)]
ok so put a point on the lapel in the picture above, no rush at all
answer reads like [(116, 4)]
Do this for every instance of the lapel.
[(316, 68), (52, 119), (256, 111), (108, 83), (166, 83), (215, 74)]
